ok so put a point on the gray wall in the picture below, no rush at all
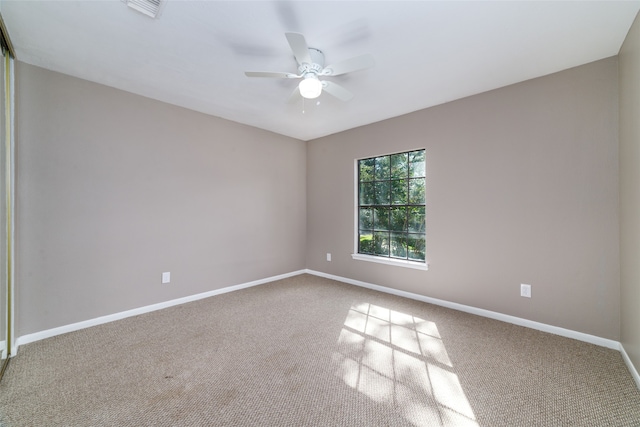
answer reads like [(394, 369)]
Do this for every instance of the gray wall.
[(522, 187), (630, 192), (113, 189)]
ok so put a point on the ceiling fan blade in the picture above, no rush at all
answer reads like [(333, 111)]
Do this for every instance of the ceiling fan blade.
[(295, 95), (354, 64), (336, 90), (280, 75), (299, 47)]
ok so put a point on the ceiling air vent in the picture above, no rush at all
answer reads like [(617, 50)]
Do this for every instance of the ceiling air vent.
[(148, 7)]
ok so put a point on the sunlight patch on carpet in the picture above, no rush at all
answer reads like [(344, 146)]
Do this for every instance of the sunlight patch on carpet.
[(400, 360)]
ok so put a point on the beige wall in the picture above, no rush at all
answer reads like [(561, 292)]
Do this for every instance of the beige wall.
[(629, 59), (113, 189), (522, 187)]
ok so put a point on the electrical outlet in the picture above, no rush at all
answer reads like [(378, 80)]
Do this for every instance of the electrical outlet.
[(166, 277), (525, 290), (328, 256)]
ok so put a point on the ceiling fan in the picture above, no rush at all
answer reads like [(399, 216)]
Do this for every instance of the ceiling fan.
[(311, 68)]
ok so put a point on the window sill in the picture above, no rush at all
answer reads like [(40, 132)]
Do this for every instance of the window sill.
[(391, 261)]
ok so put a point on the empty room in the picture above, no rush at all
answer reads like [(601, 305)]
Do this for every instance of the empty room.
[(320, 213)]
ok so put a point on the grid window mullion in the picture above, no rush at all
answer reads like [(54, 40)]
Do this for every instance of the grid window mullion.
[(391, 205)]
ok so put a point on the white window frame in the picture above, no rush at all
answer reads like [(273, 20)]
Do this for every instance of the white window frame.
[(356, 223)]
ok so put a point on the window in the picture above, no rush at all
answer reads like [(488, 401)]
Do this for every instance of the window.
[(391, 207)]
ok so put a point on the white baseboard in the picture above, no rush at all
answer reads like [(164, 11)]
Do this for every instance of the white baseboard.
[(603, 342), (29, 338), (632, 369), (3, 349)]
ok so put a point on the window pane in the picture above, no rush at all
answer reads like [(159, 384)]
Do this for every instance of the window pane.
[(399, 245), (416, 219), (366, 169), (399, 191), (416, 164), (382, 167), (382, 192), (398, 220), (367, 193), (366, 219), (381, 242), (399, 165), (391, 205), (381, 218), (416, 191), (415, 246), (366, 244)]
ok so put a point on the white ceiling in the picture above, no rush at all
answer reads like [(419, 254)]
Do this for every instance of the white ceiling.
[(427, 52)]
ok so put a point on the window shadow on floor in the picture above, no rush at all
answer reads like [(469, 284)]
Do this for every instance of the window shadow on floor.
[(400, 360)]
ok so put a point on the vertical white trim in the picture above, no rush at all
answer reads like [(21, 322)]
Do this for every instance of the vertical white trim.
[(8, 146), (356, 213), (5, 194), (12, 342)]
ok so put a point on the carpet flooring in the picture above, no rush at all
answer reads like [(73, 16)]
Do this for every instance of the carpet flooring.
[(308, 351)]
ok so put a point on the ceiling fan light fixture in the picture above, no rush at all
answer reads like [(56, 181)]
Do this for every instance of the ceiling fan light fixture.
[(310, 67), (310, 87)]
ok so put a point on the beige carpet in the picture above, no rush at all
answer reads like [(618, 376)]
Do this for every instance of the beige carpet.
[(308, 351)]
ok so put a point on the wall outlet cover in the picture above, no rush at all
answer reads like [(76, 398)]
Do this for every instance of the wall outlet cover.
[(166, 277)]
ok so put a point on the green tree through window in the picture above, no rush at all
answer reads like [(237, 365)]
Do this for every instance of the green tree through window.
[(391, 206)]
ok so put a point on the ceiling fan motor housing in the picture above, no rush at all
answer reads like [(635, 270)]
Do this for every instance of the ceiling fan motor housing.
[(317, 59)]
